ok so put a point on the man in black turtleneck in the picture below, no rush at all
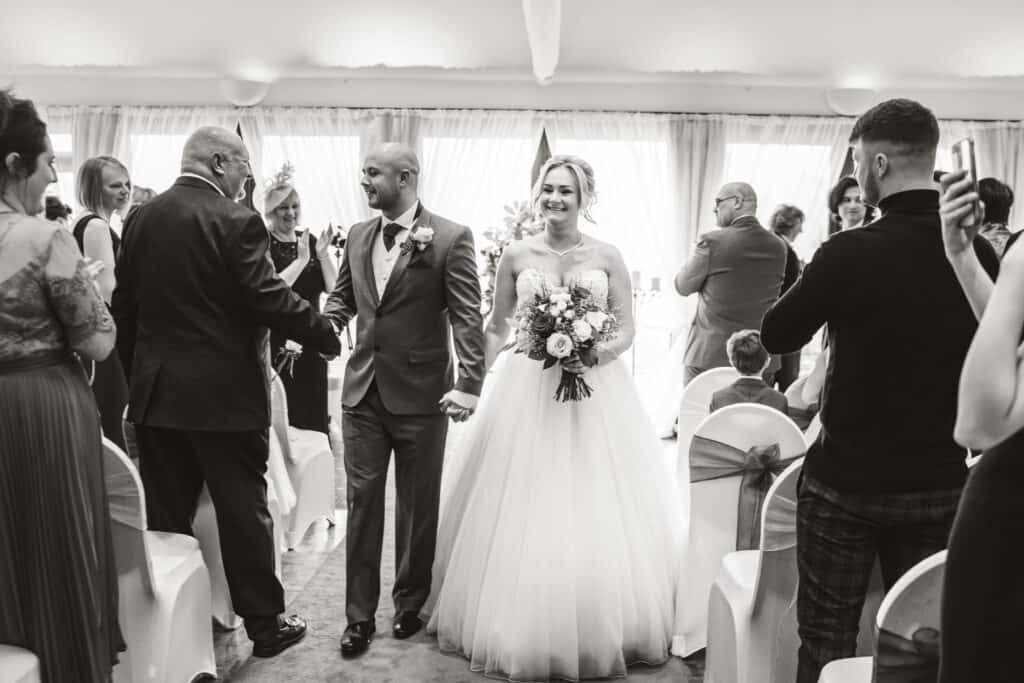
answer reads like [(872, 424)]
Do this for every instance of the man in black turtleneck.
[(884, 477)]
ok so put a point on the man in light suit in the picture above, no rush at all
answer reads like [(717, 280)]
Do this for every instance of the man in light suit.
[(737, 271), (195, 294), (410, 278)]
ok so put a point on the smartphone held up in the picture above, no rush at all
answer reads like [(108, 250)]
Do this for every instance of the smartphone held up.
[(964, 160)]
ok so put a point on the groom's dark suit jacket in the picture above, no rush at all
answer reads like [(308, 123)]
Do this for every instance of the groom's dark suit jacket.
[(195, 293), (403, 338)]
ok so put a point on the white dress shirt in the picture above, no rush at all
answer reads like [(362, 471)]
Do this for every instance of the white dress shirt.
[(205, 180), (384, 260)]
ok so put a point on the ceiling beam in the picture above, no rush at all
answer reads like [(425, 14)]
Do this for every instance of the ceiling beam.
[(544, 31)]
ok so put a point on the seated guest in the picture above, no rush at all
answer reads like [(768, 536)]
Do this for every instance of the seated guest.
[(788, 222), (750, 359), (884, 478), (996, 198)]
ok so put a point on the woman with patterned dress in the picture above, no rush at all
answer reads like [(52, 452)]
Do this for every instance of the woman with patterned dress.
[(58, 581), (561, 527), (104, 188), (305, 264)]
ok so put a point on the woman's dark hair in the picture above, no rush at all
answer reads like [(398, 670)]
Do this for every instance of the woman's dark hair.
[(22, 132), (835, 197), (56, 209), (998, 198), (784, 219)]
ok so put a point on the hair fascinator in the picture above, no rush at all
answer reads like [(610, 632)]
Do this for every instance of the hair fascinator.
[(278, 188)]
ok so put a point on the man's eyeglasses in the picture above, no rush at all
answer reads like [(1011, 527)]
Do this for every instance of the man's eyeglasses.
[(719, 200)]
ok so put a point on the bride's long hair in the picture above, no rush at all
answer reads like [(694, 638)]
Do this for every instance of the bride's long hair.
[(580, 170)]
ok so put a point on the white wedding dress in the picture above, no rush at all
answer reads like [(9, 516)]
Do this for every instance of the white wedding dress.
[(561, 528)]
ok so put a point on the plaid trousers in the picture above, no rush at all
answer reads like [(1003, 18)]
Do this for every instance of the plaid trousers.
[(839, 535)]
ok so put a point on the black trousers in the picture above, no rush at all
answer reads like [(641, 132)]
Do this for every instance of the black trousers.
[(839, 536), (983, 591), (789, 370), (370, 434), (175, 464)]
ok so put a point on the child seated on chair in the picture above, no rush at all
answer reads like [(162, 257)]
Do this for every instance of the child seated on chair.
[(750, 359)]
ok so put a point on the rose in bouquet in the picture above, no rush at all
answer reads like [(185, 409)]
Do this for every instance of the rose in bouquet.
[(564, 323)]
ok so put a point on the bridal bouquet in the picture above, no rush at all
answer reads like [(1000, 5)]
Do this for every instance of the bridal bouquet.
[(562, 323)]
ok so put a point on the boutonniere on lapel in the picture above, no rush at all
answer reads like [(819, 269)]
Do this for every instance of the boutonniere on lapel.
[(419, 239)]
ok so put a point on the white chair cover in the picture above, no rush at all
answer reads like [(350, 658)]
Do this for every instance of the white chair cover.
[(310, 466), (18, 665), (907, 639), (164, 587), (693, 408), (753, 590), (714, 508)]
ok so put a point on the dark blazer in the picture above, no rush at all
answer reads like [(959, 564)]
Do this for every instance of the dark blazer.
[(749, 390), (404, 334), (899, 327), (195, 293), (737, 273), (793, 267)]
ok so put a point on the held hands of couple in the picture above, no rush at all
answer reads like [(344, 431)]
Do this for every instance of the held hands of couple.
[(458, 405)]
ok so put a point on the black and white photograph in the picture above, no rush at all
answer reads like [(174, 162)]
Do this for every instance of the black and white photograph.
[(519, 340)]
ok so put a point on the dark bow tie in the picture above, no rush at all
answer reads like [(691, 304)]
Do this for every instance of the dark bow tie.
[(391, 231)]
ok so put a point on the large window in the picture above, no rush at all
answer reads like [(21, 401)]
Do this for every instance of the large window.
[(471, 179), (155, 159), (786, 174), (326, 172), (64, 188)]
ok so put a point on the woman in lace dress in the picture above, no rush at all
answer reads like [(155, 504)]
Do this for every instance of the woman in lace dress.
[(304, 263), (58, 582), (561, 529)]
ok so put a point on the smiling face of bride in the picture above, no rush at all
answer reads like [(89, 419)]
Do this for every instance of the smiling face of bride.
[(559, 198)]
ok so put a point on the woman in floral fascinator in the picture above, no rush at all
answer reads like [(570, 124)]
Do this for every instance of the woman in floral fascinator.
[(303, 262)]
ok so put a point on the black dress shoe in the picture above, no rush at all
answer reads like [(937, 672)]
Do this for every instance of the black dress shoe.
[(290, 630), (406, 624), (356, 638)]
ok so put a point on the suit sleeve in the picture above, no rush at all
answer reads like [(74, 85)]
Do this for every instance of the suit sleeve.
[(717, 399), (462, 295), (124, 304), (691, 278), (791, 322), (341, 302), (268, 298)]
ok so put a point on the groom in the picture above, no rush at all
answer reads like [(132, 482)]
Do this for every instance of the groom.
[(410, 278)]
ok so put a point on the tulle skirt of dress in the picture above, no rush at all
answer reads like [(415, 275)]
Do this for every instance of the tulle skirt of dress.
[(561, 531)]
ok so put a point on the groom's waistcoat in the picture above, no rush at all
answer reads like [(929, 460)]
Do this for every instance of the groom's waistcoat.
[(404, 334)]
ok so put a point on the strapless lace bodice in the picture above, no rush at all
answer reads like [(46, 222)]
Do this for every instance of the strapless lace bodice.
[(532, 281)]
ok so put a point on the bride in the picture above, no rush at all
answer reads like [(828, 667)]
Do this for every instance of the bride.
[(561, 530)]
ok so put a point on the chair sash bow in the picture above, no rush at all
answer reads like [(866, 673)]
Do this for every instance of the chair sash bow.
[(758, 466), (901, 660)]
